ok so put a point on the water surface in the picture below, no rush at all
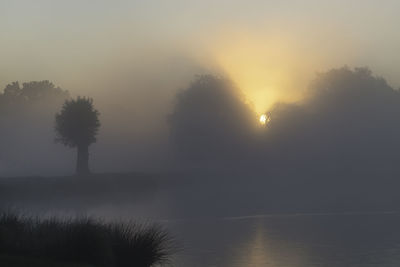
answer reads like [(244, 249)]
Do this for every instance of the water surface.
[(357, 239)]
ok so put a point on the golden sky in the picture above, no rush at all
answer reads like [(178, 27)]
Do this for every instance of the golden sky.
[(271, 49)]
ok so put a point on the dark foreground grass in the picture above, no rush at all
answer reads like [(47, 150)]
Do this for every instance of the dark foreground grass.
[(83, 241), (19, 261)]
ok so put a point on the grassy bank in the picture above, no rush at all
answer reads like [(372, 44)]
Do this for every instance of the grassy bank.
[(83, 242)]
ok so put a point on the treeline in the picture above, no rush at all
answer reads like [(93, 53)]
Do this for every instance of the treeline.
[(347, 116)]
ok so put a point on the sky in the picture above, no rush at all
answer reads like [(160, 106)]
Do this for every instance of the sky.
[(271, 49)]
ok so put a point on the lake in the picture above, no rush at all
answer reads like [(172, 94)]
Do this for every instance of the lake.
[(363, 239), (234, 223)]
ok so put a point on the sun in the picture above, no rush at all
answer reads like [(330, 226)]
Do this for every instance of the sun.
[(263, 119)]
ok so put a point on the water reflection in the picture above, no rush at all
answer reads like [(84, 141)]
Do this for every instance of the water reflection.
[(255, 251), (295, 241)]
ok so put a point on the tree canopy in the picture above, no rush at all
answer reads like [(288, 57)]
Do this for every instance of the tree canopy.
[(30, 93), (211, 119), (77, 124)]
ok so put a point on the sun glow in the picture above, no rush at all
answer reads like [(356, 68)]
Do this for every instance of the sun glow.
[(263, 119), (266, 70)]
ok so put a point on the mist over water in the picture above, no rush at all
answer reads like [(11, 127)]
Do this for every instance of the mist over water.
[(341, 139)]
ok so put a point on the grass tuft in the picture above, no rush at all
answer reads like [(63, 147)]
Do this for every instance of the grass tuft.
[(85, 240)]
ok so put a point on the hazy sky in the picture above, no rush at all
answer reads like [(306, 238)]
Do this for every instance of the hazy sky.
[(271, 49)]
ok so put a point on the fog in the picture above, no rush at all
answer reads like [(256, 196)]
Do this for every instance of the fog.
[(181, 94), (133, 59), (347, 118), (258, 132), (336, 150)]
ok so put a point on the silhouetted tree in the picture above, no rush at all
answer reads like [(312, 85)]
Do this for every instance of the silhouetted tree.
[(349, 118), (35, 93), (31, 91), (211, 119), (26, 121), (77, 126)]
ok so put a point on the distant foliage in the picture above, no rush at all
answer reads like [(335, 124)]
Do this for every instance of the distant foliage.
[(349, 117), (211, 119), (26, 123), (35, 92), (78, 123)]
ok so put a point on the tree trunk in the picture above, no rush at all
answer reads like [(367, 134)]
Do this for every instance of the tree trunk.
[(82, 162)]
